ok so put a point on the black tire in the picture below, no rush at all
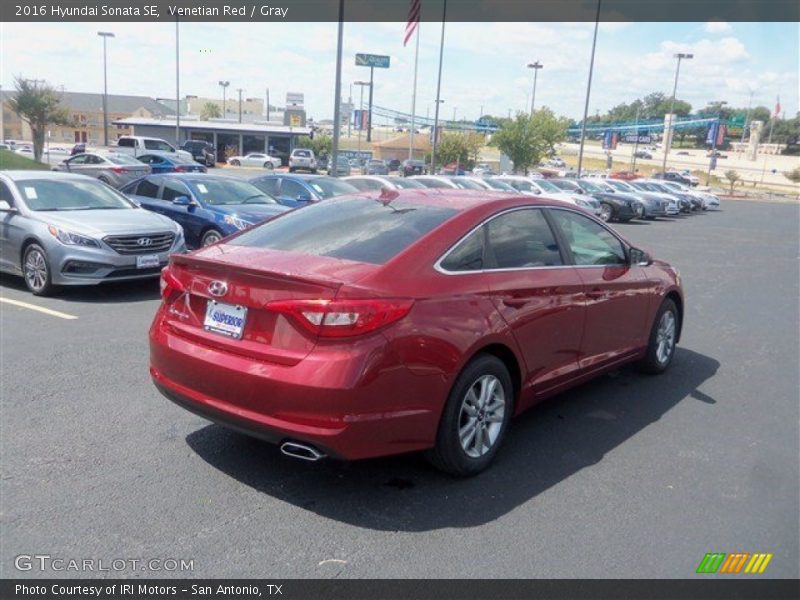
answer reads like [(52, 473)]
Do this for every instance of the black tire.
[(291, 169), (313, 171), (235, 163), (36, 271), (212, 236), (606, 212), (268, 165), (449, 455), (654, 362)]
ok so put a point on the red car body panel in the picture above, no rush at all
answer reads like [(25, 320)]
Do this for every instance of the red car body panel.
[(383, 392)]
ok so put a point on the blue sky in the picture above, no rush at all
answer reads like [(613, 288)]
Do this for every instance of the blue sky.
[(484, 63)]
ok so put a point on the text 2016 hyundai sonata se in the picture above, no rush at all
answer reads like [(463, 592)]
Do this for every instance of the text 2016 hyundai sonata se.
[(416, 320)]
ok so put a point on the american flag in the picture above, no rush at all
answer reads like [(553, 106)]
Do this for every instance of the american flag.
[(413, 20), (778, 107)]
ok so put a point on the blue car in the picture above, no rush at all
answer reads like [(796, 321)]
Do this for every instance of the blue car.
[(299, 190), (208, 207), (160, 163)]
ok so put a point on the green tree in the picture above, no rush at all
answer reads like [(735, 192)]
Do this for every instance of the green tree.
[(322, 145), (39, 105), (527, 139), (210, 111), (463, 148)]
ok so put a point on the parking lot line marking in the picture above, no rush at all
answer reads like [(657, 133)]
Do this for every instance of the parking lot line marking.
[(41, 309)]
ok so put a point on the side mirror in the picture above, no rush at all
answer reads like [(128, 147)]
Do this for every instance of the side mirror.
[(182, 201), (5, 206), (303, 197), (639, 258)]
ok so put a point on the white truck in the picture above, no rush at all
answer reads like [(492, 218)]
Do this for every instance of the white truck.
[(136, 146)]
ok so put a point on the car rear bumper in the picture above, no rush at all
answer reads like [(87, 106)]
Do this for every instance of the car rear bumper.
[(349, 404)]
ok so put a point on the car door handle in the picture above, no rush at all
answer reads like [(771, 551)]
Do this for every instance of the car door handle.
[(595, 294), (514, 303)]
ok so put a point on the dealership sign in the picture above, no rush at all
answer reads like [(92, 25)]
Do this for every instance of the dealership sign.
[(372, 60), (642, 138)]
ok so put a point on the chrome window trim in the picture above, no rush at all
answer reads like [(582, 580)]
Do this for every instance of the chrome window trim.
[(437, 266)]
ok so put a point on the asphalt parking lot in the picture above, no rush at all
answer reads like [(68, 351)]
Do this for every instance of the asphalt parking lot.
[(627, 476)]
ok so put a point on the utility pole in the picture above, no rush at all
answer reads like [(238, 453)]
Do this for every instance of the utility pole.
[(177, 87), (105, 35), (747, 116), (240, 103), (438, 94), (636, 144), (337, 96)]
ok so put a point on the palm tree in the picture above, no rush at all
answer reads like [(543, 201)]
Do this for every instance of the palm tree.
[(210, 111), (39, 105)]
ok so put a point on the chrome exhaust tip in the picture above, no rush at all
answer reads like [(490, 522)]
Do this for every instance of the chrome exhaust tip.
[(302, 451)]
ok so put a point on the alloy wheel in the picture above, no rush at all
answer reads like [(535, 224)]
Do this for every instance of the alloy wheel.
[(35, 270), (605, 212), (212, 237), (665, 337), (482, 414)]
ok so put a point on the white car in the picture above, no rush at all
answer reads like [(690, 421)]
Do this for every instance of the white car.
[(692, 178), (544, 189), (302, 158), (709, 200), (255, 159)]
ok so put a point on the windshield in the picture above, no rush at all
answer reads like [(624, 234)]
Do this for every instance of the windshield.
[(521, 185), (404, 183), (648, 187), (158, 145), (220, 192), (621, 185), (328, 187), (547, 186), (466, 184), (356, 229), (591, 187), (70, 194), (499, 185), (566, 185)]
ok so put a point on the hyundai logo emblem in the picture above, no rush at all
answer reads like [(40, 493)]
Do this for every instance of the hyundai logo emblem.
[(144, 241), (218, 288)]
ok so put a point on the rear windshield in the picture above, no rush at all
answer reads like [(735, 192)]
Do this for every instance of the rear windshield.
[(302, 153), (122, 159), (328, 187), (404, 183), (361, 230)]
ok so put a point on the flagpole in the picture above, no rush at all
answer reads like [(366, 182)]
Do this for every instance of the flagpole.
[(438, 94), (414, 101)]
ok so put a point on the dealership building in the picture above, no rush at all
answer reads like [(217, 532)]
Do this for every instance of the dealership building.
[(228, 137)]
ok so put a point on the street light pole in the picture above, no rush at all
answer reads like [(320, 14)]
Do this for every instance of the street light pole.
[(105, 35), (224, 85), (588, 90), (360, 84), (438, 94), (747, 116), (712, 162), (240, 90), (337, 96), (535, 66), (668, 132), (177, 86)]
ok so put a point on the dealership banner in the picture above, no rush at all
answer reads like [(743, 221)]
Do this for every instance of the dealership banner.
[(610, 139), (716, 130)]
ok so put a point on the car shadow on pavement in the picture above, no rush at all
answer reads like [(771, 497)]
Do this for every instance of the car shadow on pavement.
[(105, 293), (546, 445)]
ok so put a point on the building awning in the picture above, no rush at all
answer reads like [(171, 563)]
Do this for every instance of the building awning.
[(219, 126)]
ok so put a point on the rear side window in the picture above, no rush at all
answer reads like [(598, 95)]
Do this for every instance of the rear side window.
[(268, 186), (147, 189), (521, 239), (515, 240), (359, 229)]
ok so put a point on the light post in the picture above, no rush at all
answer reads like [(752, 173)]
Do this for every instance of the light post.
[(240, 90), (455, 108), (105, 35), (362, 85), (588, 89), (535, 66), (224, 85), (668, 132), (747, 116), (712, 162)]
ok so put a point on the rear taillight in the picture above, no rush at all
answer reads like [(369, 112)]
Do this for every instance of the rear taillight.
[(181, 169), (171, 288), (343, 318), (119, 169)]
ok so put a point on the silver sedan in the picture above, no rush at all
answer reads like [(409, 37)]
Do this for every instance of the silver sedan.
[(115, 169), (65, 229)]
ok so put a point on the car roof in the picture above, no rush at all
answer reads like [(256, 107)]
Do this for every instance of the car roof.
[(200, 176), (28, 175)]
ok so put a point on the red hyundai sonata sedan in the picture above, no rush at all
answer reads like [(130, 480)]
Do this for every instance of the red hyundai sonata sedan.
[(417, 320)]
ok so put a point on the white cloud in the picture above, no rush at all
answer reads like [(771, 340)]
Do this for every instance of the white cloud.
[(717, 27)]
